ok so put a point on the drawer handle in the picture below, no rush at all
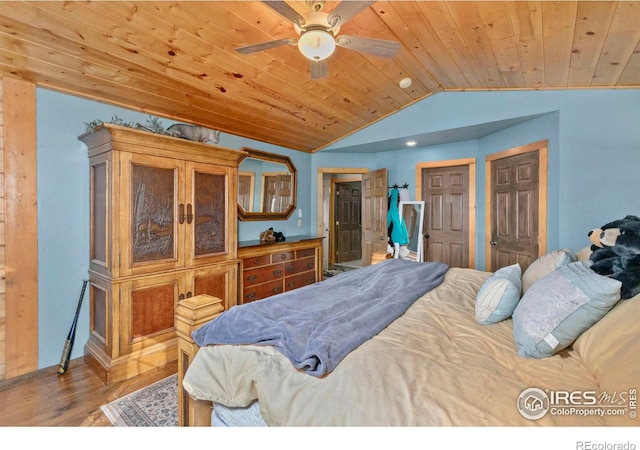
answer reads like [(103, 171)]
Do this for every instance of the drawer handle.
[(292, 284), (283, 256), (307, 252), (291, 270), (277, 273), (310, 265), (257, 260), (251, 296), (277, 289), (312, 279), (252, 278)]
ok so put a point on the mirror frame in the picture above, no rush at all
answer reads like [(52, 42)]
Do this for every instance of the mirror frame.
[(419, 252), (272, 157)]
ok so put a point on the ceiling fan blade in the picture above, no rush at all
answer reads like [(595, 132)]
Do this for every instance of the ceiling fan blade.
[(378, 47), (265, 46), (285, 11), (319, 69), (346, 10)]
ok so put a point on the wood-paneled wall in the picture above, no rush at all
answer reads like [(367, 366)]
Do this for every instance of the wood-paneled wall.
[(2, 252), (19, 219)]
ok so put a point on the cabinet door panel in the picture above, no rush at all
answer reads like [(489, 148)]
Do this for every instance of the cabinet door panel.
[(209, 201), (153, 207), (146, 310), (152, 310), (210, 233)]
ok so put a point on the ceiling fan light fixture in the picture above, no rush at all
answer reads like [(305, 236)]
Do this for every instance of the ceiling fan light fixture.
[(316, 45)]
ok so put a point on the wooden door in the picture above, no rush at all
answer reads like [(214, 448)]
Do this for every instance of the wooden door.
[(348, 227), (246, 184), (517, 206), (277, 193), (374, 214), (445, 191)]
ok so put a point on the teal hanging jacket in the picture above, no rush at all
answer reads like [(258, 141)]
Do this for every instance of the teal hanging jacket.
[(396, 228)]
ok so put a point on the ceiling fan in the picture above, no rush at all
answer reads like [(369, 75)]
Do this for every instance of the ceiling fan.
[(318, 34)]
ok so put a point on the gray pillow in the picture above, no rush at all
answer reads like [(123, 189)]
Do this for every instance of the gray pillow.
[(561, 306)]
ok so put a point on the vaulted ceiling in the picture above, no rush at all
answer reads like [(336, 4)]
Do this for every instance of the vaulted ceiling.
[(178, 59)]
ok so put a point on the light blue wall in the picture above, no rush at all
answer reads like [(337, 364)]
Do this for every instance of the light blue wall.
[(594, 150), (63, 211), (594, 158)]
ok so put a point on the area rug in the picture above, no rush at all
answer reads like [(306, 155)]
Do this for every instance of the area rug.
[(336, 270), (153, 406)]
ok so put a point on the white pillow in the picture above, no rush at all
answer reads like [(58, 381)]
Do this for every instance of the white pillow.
[(499, 295), (546, 264), (560, 307)]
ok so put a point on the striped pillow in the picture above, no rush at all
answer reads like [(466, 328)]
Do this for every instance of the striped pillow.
[(499, 295)]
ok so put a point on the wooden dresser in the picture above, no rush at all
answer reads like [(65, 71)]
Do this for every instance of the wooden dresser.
[(163, 228), (271, 268)]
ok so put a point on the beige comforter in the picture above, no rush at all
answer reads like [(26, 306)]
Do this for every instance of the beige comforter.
[(434, 366)]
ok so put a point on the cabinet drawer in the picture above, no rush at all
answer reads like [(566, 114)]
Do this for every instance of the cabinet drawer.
[(283, 256), (262, 274), (299, 280), (305, 252), (300, 265), (264, 290), (256, 261)]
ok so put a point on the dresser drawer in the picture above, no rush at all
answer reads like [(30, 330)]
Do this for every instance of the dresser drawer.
[(283, 256), (260, 291), (297, 281), (262, 274), (305, 252), (300, 265), (256, 261)]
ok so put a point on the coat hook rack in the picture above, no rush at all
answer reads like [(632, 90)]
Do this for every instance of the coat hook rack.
[(395, 186)]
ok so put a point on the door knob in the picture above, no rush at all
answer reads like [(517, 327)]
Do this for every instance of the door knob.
[(426, 236), (493, 242)]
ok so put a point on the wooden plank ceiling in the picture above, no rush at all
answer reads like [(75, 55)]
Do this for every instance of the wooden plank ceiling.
[(178, 60)]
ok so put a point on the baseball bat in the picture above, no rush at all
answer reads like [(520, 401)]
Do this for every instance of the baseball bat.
[(71, 337)]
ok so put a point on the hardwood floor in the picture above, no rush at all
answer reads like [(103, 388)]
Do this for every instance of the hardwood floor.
[(46, 399)]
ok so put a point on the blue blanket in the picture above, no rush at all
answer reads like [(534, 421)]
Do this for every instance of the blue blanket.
[(318, 325)]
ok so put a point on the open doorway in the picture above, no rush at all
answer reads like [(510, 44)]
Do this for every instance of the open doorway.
[(346, 223), (336, 238)]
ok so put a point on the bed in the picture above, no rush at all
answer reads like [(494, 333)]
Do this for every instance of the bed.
[(441, 362)]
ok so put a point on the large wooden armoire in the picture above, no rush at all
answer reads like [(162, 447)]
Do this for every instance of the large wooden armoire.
[(163, 228)]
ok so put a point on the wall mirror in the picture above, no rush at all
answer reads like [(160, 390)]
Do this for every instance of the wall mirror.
[(412, 214), (266, 186)]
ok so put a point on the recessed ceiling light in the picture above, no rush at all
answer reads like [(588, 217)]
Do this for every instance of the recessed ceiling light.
[(405, 83), (410, 143)]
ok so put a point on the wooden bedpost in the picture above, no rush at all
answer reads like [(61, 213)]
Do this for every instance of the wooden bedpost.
[(192, 313)]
